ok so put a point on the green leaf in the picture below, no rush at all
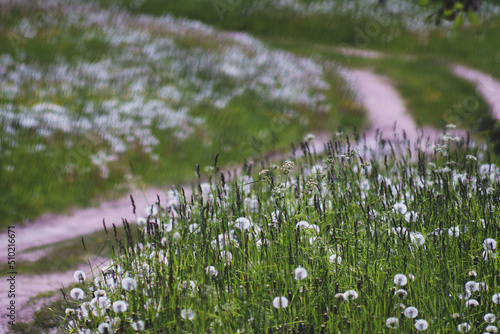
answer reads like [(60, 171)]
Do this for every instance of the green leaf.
[(472, 17), (459, 20), (458, 6), (423, 2)]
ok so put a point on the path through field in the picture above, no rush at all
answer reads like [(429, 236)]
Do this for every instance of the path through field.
[(384, 107)]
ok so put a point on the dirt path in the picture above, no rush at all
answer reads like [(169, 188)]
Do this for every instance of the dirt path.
[(486, 85), (385, 107)]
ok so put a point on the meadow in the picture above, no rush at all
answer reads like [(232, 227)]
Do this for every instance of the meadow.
[(355, 240), (97, 97)]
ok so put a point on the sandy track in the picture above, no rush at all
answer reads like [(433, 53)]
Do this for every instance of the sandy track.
[(485, 84)]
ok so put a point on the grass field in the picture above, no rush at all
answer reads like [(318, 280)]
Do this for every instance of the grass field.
[(350, 241)]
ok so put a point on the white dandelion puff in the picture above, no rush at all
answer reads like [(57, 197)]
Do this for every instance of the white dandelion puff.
[(350, 294), (392, 323), (104, 328), (490, 318), (226, 256), (242, 223), (421, 325), (188, 314), (300, 273), (400, 279), (411, 312), (471, 286), (490, 244), (129, 284), (335, 259), (119, 306), (400, 208), (77, 293), (463, 327), (454, 231), (280, 302), (491, 329), (210, 270), (401, 293), (79, 276), (496, 298), (138, 326), (471, 303)]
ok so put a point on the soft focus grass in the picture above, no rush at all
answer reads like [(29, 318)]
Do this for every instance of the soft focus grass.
[(32, 180)]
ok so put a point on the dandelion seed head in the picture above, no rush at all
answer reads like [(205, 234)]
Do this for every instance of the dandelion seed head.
[(401, 293), (104, 328), (400, 279), (79, 276), (392, 323), (210, 270), (138, 326), (490, 318), (129, 284), (496, 298), (77, 293), (400, 208), (411, 312), (491, 329), (300, 273), (119, 306), (242, 223), (280, 302), (471, 303), (471, 286), (463, 327), (489, 244), (188, 314), (421, 325), (351, 294)]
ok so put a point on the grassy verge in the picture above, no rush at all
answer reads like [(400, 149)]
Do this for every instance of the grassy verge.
[(339, 242)]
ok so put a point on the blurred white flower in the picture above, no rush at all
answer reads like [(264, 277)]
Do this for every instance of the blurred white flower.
[(463, 327), (77, 293), (79, 276), (119, 306), (188, 314), (280, 302), (471, 303), (471, 286), (454, 231), (400, 279), (300, 273), (392, 323), (400, 208), (411, 312), (490, 317), (350, 294), (105, 328), (138, 326), (210, 270), (490, 244), (496, 298), (421, 325), (129, 284), (242, 223)]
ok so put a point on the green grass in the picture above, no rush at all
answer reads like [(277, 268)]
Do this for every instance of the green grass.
[(353, 205)]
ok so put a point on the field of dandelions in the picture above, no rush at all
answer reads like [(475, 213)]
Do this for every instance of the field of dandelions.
[(100, 95), (355, 240)]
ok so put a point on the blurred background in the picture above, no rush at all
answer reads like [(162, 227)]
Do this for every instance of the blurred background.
[(97, 97)]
